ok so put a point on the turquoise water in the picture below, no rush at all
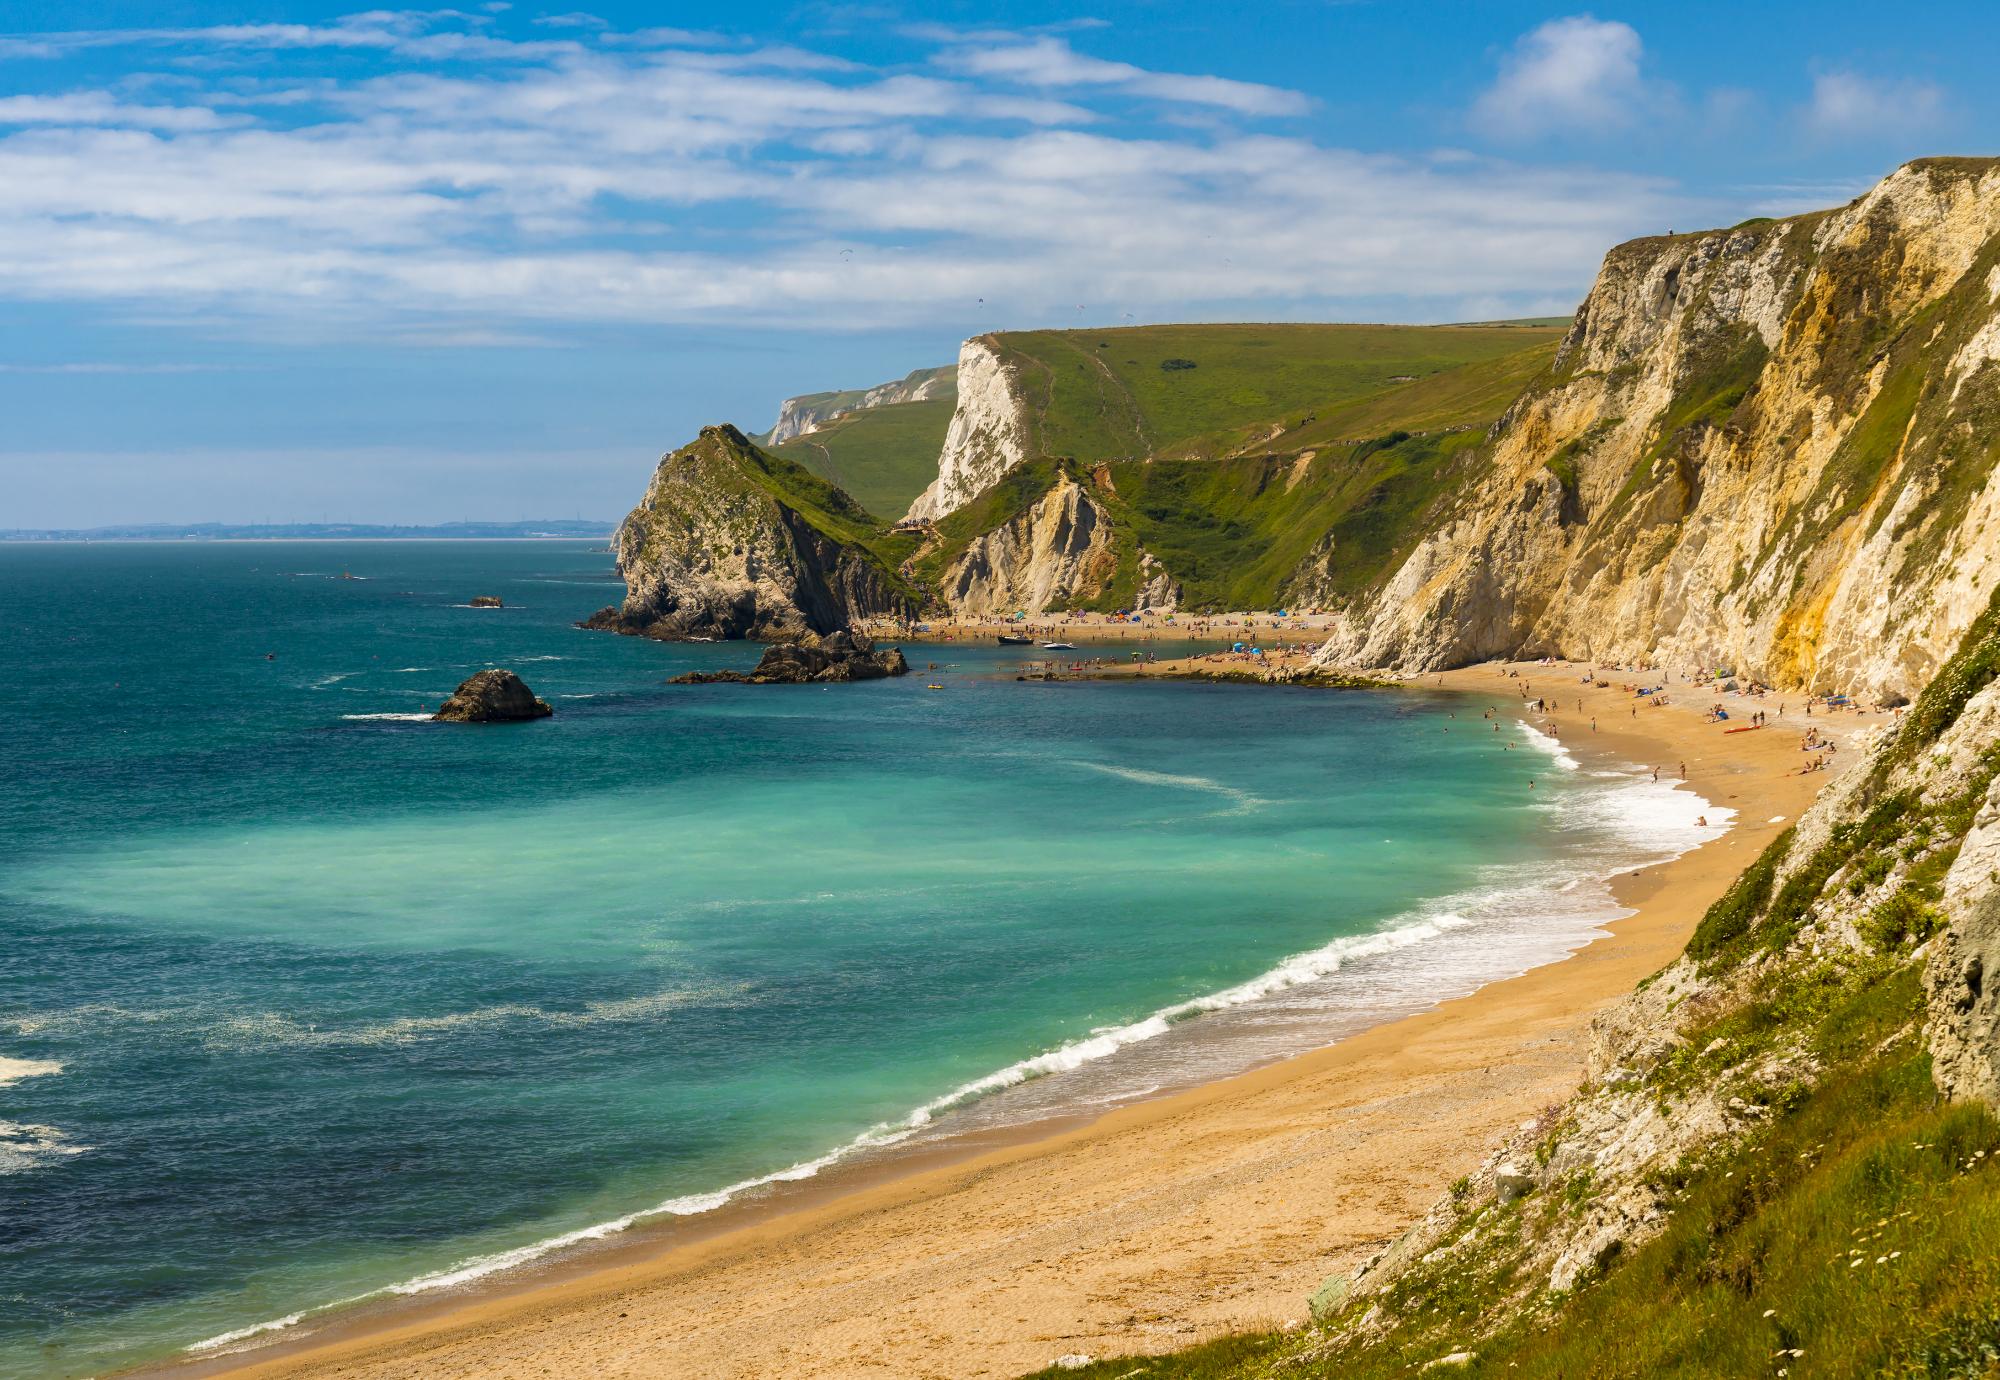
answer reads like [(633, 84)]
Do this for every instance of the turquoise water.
[(305, 998)]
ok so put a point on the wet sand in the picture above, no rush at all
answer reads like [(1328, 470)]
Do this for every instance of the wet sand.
[(1153, 1226)]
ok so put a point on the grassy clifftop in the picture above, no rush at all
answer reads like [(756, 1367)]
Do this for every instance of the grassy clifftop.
[(1167, 391)]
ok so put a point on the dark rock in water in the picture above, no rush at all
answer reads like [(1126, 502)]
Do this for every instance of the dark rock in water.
[(492, 697), (487, 601), (834, 657)]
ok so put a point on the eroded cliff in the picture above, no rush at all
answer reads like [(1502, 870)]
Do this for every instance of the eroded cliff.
[(1769, 447), (1057, 552)]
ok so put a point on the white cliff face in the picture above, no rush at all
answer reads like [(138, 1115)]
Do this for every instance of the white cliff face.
[(1768, 447), (1056, 552), (803, 415), (988, 436)]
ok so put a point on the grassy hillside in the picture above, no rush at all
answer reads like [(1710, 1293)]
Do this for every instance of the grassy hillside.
[(1213, 390), (883, 456), (1237, 533)]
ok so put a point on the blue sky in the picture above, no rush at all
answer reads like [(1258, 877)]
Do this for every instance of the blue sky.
[(295, 261)]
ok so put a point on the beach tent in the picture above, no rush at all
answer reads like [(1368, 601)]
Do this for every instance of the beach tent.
[(1236, 646)]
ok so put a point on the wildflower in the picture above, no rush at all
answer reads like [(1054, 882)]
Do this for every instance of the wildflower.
[(1770, 1312)]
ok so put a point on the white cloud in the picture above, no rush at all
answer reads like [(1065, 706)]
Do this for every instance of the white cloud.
[(1051, 62), (100, 108), (1574, 76), (1846, 105)]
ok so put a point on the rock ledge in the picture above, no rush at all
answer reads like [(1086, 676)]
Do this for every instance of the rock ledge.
[(838, 656)]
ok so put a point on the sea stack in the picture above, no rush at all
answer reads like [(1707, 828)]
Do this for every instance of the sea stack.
[(492, 697)]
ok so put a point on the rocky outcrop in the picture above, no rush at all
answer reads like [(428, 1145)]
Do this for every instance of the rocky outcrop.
[(839, 656), (1768, 447), (1159, 591), (989, 432), (492, 697), (732, 542), (801, 416), (1057, 552), (486, 601)]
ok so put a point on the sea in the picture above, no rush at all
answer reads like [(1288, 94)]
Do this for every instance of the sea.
[(307, 1000)]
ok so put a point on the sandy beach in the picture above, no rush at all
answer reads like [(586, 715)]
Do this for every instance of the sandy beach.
[(1155, 1225)]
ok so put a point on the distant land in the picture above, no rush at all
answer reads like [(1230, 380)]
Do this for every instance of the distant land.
[(317, 531)]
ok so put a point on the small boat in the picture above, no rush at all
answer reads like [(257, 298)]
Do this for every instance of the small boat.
[(1058, 646), (1010, 640), (933, 686)]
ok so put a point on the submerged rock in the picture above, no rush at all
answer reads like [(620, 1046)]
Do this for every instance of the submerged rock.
[(492, 697), (837, 656)]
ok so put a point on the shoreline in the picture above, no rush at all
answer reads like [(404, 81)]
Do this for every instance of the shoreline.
[(1196, 1196)]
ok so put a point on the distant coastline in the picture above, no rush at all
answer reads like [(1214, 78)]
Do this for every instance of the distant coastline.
[(547, 530)]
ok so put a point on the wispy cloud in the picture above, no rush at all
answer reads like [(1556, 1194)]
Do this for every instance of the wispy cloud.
[(1052, 62), (1847, 104), (105, 367)]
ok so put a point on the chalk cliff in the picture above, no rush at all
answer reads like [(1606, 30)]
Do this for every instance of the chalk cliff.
[(1769, 447), (988, 435), (1057, 551), (807, 413)]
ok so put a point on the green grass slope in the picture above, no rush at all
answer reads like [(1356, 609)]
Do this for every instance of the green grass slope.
[(883, 456), (1212, 390)]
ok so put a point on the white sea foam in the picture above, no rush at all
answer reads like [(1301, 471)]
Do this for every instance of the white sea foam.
[(403, 718), (25, 1146), (13, 1071), (1243, 800), (270, 1028), (245, 1333), (1550, 744)]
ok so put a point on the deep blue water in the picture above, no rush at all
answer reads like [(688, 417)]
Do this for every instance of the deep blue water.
[(301, 1001)]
